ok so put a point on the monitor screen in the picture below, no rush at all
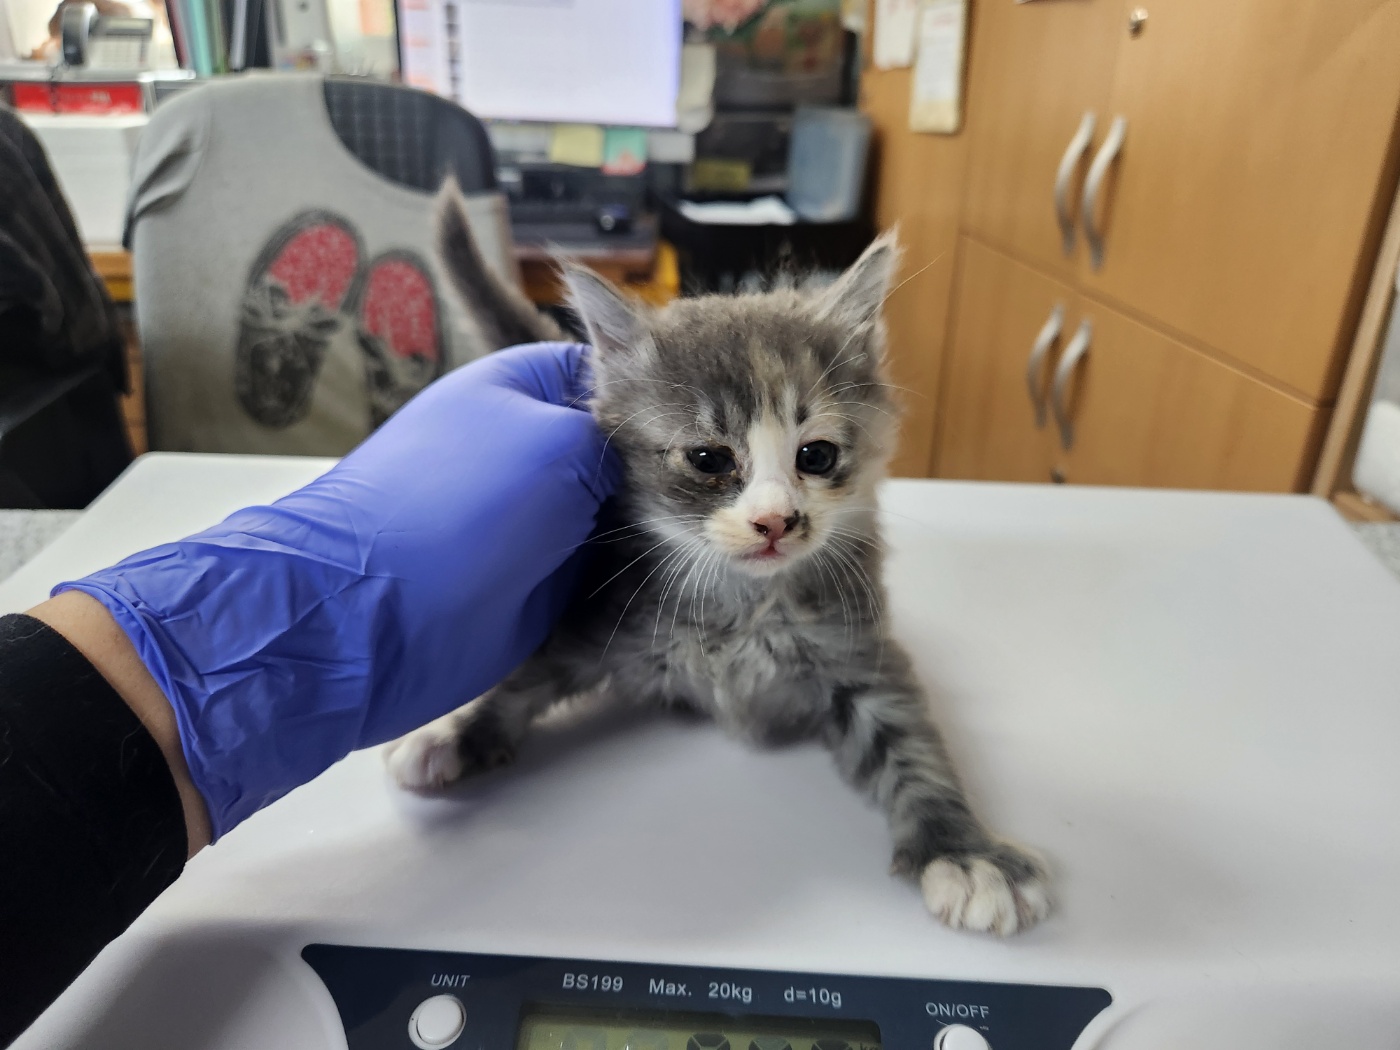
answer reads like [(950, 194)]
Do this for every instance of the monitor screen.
[(584, 61)]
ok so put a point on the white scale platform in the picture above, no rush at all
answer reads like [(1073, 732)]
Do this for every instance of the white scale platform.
[(1190, 702)]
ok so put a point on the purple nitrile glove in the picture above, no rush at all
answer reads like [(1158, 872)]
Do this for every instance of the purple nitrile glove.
[(410, 578)]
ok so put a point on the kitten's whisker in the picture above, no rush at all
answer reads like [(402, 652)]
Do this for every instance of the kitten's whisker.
[(860, 404), (668, 579), (680, 595), (848, 418), (879, 382), (632, 379), (649, 521), (836, 361), (855, 534), (712, 577), (839, 549), (678, 432), (691, 549), (877, 605), (921, 269), (645, 408), (623, 615), (846, 624), (595, 538), (631, 563), (697, 597)]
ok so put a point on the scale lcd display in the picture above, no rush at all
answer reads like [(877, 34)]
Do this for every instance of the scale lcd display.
[(556, 1028)]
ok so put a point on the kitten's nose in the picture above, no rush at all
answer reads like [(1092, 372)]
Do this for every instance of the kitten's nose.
[(773, 526)]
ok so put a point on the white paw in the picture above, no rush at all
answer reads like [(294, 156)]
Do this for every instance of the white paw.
[(975, 894), (427, 758)]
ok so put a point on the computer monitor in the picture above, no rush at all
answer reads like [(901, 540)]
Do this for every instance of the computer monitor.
[(583, 61)]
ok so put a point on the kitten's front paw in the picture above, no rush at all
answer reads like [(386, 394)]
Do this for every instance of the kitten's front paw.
[(427, 758), (1003, 891)]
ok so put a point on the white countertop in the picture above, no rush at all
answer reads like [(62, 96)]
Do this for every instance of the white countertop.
[(1190, 701)]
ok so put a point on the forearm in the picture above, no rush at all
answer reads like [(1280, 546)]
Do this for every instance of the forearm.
[(90, 629), (92, 826)]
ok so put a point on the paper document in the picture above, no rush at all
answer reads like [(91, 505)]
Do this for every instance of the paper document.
[(895, 25), (695, 101), (935, 102), (766, 211)]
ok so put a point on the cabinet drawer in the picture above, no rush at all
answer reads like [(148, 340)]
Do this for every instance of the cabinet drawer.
[(1147, 410), (1259, 137), (1035, 71)]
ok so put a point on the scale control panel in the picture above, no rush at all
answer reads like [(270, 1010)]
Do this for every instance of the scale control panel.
[(391, 999)]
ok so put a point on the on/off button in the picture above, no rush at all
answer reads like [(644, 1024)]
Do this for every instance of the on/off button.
[(960, 1037), (437, 1022)]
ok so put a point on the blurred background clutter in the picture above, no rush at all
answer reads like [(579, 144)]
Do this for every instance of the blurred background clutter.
[(1144, 244)]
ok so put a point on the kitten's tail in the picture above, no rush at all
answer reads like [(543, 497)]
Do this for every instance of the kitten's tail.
[(499, 309)]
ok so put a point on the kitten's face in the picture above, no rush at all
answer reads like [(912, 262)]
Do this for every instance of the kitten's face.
[(754, 428)]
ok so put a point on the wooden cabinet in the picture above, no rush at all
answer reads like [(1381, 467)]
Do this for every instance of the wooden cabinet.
[(1035, 71), (1239, 215), (1252, 176), (1148, 410), (918, 182), (990, 425), (1134, 407)]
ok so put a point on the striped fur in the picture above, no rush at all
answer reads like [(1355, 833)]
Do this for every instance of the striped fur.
[(691, 606), (504, 316)]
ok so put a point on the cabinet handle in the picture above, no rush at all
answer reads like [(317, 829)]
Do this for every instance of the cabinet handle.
[(1035, 364), (1073, 152), (1093, 186), (1064, 372)]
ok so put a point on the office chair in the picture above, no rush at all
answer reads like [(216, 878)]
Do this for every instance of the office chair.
[(287, 289)]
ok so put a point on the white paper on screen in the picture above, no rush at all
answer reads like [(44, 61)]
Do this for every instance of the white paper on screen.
[(581, 61)]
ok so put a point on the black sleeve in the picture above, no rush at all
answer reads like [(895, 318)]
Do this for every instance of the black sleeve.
[(91, 827)]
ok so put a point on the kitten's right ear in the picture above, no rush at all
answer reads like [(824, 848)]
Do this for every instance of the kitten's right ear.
[(613, 324), (860, 293)]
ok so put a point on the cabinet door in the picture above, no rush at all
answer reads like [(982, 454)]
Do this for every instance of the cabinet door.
[(1258, 140), (1149, 411), (1034, 71), (916, 187), (989, 426)]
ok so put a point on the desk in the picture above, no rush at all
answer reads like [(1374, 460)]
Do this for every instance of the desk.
[(1186, 699), (652, 275)]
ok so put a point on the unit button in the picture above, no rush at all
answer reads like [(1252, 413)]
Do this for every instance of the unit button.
[(437, 1022), (960, 1037)]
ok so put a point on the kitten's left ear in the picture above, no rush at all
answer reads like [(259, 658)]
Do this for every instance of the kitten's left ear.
[(859, 293)]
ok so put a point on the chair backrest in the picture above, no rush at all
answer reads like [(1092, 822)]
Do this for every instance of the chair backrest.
[(287, 290)]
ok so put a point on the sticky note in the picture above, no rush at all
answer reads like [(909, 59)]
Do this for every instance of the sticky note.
[(578, 144), (624, 151)]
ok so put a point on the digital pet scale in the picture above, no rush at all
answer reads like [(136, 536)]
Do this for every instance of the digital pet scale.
[(1190, 702)]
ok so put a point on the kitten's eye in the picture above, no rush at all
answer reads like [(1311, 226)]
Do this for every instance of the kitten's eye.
[(710, 460), (817, 457)]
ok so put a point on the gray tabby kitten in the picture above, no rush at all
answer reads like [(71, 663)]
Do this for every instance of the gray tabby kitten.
[(745, 581)]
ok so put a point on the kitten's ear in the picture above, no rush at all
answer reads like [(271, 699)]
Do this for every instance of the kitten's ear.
[(859, 293), (613, 324)]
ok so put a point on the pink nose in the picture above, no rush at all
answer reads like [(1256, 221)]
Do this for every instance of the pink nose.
[(773, 526)]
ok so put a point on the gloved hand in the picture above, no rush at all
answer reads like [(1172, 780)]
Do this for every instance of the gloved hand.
[(403, 583)]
